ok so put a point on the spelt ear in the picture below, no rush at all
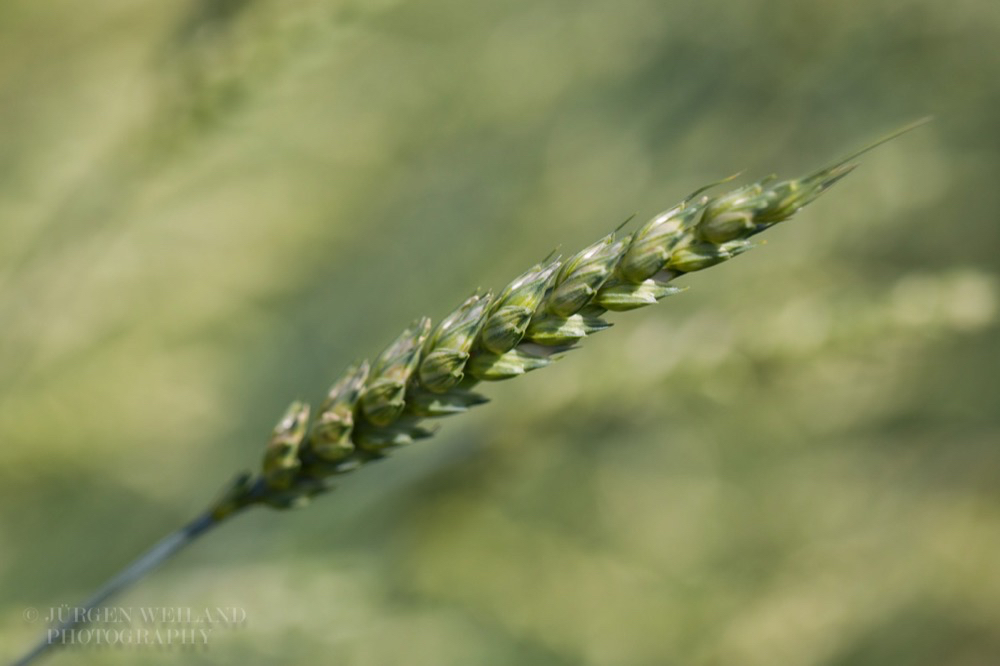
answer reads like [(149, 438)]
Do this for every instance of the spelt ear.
[(539, 315), (544, 312)]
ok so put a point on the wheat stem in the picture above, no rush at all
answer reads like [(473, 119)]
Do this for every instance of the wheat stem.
[(151, 559), (237, 496)]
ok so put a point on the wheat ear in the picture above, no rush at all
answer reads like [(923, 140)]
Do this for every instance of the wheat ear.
[(430, 371)]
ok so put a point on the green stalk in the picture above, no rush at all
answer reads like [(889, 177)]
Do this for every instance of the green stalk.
[(234, 500)]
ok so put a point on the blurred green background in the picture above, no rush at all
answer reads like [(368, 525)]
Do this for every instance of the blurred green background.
[(209, 208)]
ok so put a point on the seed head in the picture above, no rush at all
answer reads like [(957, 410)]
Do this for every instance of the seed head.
[(582, 275), (447, 349), (384, 396), (544, 312), (513, 310), (650, 247), (330, 439), (281, 456)]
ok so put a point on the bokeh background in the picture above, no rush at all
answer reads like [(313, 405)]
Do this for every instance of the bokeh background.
[(209, 208)]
